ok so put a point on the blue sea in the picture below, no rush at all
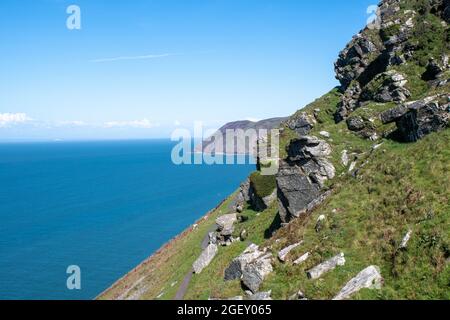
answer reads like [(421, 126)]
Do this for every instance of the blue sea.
[(103, 206)]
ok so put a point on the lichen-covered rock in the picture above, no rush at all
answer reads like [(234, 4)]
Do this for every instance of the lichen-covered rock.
[(326, 266), (369, 278), (235, 270), (255, 272), (205, 258)]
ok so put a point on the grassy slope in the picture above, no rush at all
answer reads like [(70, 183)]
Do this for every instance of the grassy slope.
[(401, 187), (170, 264)]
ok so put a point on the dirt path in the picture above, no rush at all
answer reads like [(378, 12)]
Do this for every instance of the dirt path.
[(187, 278)]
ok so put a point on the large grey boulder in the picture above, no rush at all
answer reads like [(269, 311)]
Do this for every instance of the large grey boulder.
[(417, 119), (236, 268), (326, 266), (255, 272), (302, 176), (369, 278), (205, 258)]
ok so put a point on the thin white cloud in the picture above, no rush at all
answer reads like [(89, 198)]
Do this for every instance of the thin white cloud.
[(139, 124), (145, 57), (8, 119), (75, 123)]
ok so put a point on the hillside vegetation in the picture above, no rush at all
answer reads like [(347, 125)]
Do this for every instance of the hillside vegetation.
[(375, 152)]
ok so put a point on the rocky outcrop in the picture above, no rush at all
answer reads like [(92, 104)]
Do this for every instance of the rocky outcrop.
[(366, 67), (416, 119), (369, 278), (302, 176), (386, 87), (302, 124), (205, 258), (326, 266)]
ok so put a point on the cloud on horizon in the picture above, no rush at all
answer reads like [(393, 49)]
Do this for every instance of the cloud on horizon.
[(9, 119)]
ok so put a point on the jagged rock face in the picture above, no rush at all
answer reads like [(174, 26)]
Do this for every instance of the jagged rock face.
[(386, 87), (295, 191), (302, 124), (417, 119), (302, 176), (362, 66), (354, 59)]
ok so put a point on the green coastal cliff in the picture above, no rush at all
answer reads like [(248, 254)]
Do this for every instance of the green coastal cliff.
[(360, 206)]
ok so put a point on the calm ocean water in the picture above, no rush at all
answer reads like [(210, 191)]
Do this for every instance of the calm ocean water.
[(104, 206)]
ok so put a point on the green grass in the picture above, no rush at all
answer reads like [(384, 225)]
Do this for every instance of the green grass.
[(264, 185)]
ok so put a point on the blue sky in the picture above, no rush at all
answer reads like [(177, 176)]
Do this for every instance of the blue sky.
[(138, 69)]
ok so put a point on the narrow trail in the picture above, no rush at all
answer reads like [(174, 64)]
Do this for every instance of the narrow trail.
[(187, 278)]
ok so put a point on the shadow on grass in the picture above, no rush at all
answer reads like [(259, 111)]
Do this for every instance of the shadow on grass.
[(275, 225)]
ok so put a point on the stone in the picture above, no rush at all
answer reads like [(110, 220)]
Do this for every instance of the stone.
[(260, 296), (235, 269), (344, 158), (326, 266), (298, 296), (225, 224), (205, 258), (295, 191), (320, 223), (393, 114), (325, 134), (244, 235), (302, 124), (417, 123), (369, 278), (212, 237), (302, 258), (282, 255), (355, 124), (308, 147), (405, 240), (255, 272)]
